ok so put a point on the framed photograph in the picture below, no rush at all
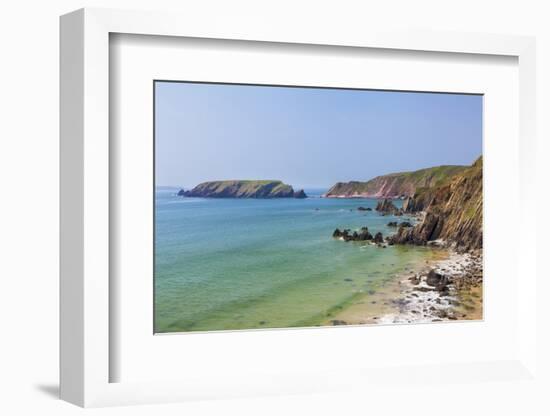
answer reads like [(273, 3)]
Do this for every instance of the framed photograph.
[(366, 223), (238, 206)]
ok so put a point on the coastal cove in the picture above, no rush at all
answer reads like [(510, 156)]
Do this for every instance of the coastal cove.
[(228, 264)]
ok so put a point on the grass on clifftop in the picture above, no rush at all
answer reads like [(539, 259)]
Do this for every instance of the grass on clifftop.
[(400, 182), (435, 176)]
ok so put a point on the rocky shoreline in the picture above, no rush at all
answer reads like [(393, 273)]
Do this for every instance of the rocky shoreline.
[(449, 217), (447, 289)]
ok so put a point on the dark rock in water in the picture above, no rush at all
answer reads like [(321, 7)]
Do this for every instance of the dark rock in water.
[(347, 279), (364, 209), (378, 238), (181, 192), (338, 322), (405, 224), (392, 224), (369, 209), (300, 194), (364, 234), (386, 206), (348, 235)]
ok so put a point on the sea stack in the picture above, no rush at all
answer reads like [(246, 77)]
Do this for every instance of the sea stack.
[(386, 207)]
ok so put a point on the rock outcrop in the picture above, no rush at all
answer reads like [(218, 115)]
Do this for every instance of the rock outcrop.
[(453, 213), (348, 235), (378, 238), (395, 185), (244, 189), (300, 194), (386, 207)]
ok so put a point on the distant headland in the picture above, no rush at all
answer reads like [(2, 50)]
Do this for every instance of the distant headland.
[(395, 185)]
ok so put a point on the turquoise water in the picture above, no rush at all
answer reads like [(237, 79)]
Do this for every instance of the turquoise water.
[(261, 263)]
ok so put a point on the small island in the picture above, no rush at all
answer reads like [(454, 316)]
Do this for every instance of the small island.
[(244, 189)]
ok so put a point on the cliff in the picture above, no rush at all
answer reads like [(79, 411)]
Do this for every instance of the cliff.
[(244, 189), (395, 185), (453, 212)]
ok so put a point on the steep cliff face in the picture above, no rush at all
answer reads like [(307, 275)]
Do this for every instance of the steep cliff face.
[(454, 212), (396, 184), (244, 189)]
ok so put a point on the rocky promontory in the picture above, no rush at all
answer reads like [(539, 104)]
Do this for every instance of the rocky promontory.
[(243, 189), (395, 185), (453, 213)]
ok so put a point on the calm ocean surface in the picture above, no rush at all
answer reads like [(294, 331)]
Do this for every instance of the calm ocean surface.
[(260, 263)]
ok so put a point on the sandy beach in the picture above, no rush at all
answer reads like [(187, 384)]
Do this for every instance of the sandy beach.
[(409, 298)]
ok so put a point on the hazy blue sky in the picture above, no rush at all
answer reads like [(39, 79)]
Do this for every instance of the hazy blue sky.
[(307, 137)]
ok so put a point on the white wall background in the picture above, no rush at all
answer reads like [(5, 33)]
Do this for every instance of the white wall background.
[(29, 206)]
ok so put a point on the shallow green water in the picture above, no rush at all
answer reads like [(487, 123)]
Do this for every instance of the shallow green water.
[(259, 263)]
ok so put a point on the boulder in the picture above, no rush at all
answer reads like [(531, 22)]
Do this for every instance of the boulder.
[(392, 224), (405, 224), (181, 192), (433, 278), (337, 233), (437, 280), (346, 235), (364, 234), (378, 238)]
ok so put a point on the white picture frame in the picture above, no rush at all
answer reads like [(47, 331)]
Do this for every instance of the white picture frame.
[(85, 202)]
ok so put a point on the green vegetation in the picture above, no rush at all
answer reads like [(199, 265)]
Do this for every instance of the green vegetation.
[(243, 189), (397, 184)]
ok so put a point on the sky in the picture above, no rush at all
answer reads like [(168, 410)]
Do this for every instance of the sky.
[(307, 137)]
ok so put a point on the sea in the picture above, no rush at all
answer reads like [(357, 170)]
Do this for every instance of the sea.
[(233, 264)]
